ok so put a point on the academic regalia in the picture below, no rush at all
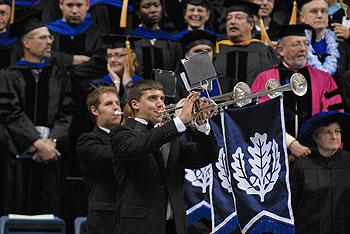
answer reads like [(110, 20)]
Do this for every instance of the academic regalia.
[(335, 14), (271, 31), (157, 50), (107, 13), (242, 63), (80, 40), (322, 93), (6, 44), (181, 34), (320, 193), (33, 188), (83, 39)]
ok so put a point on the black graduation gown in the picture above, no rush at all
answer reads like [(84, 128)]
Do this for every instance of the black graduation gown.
[(86, 42), (242, 63), (321, 194), (95, 156), (6, 50), (164, 54), (30, 187)]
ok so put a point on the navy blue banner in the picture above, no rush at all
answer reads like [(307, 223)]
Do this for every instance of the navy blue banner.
[(257, 157), (224, 216)]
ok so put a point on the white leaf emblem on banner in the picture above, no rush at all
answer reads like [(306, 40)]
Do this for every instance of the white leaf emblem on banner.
[(265, 173), (199, 177), (224, 173)]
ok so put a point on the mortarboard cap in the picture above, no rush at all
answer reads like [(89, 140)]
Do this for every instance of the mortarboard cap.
[(301, 3), (114, 41), (197, 37), (294, 30), (203, 3), (26, 24), (4, 2), (248, 7)]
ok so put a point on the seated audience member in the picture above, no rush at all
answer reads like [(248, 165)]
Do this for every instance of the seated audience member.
[(5, 41), (265, 12), (156, 49), (76, 36), (77, 39), (320, 181), (95, 156), (35, 109), (322, 92), (149, 162), (327, 53), (196, 14), (119, 73), (241, 58)]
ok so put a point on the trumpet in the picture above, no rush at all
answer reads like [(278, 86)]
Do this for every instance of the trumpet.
[(118, 113), (241, 95)]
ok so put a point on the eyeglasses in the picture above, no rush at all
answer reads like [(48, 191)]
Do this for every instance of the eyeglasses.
[(299, 44), (116, 55), (45, 38), (315, 11), (329, 133)]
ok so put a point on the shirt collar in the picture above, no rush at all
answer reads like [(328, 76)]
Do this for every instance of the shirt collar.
[(105, 129)]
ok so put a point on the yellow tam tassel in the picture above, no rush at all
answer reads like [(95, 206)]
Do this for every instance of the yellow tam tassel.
[(131, 64), (264, 37), (123, 15), (13, 11), (293, 17)]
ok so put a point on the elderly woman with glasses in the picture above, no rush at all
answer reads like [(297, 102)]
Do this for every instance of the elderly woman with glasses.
[(320, 182)]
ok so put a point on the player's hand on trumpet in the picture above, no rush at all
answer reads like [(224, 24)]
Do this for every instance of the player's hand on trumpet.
[(186, 114)]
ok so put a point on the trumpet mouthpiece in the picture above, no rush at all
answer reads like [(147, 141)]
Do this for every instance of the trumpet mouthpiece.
[(118, 113)]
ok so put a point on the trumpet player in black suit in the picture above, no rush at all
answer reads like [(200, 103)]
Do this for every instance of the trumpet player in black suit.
[(95, 156), (149, 162)]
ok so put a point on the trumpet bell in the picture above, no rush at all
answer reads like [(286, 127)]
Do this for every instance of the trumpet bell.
[(299, 84), (270, 85), (240, 91)]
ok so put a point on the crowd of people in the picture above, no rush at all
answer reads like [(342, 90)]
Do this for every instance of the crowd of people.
[(68, 68)]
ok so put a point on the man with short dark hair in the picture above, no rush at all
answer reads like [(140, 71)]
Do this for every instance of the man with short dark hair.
[(35, 109), (241, 58), (149, 162), (95, 156)]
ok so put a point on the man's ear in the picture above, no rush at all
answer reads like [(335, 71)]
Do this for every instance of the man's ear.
[(252, 24), (302, 17), (135, 105), (61, 4), (94, 111), (280, 50), (26, 42)]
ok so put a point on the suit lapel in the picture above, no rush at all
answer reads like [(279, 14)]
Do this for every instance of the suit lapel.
[(157, 155)]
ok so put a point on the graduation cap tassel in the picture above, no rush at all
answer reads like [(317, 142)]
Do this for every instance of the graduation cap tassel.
[(12, 11), (131, 65), (123, 15), (293, 17), (264, 37), (343, 7)]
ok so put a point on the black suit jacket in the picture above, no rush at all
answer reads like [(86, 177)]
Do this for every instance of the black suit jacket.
[(95, 156), (144, 184)]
